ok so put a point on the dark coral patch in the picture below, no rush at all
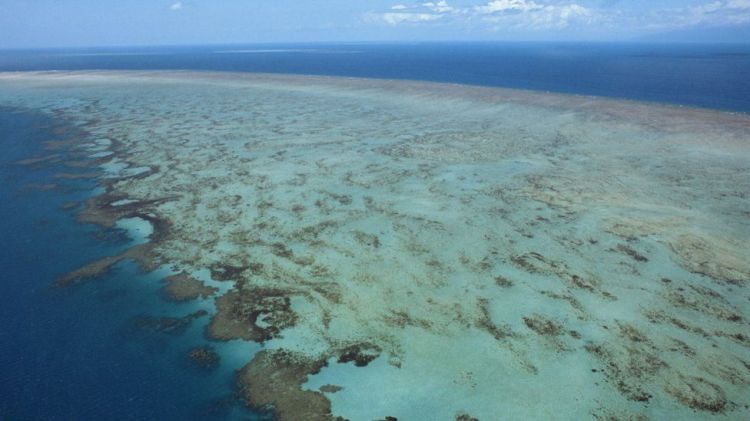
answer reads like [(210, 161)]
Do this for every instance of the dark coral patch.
[(141, 253), (697, 393), (273, 381), (368, 240), (256, 314), (361, 354), (204, 357), (330, 388), (166, 325), (226, 272), (629, 366), (543, 325), (183, 287), (627, 250), (503, 282)]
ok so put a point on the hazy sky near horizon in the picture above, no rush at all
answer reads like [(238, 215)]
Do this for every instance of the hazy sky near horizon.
[(68, 23)]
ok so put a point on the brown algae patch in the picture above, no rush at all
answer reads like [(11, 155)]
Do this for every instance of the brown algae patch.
[(380, 236)]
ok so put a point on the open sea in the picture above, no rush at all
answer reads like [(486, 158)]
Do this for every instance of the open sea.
[(702, 75), (89, 352)]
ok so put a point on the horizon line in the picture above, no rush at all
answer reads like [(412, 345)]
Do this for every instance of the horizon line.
[(378, 42)]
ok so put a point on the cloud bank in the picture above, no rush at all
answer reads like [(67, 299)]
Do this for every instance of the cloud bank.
[(575, 15)]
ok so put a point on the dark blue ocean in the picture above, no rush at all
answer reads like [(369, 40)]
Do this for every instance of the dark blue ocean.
[(85, 352), (703, 75), (81, 353)]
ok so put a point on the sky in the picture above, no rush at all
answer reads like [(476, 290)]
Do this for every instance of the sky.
[(78, 23)]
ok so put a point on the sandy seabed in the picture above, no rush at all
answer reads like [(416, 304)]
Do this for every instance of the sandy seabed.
[(429, 251)]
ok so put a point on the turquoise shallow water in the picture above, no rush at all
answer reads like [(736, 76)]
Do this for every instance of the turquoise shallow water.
[(447, 251)]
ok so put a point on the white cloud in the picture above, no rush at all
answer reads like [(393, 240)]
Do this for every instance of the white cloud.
[(531, 15), (528, 14), (176, 6), (439, 7), (715, 13), (541, 15), (424, 12), (508, 6), (738, 4), (397, 18)]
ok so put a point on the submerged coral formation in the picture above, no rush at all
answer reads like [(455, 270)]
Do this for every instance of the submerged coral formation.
[(408, 250), (183, 287), (204, 357)]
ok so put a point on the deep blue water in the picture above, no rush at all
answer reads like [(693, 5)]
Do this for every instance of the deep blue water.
[(704, 75), (77, 353)]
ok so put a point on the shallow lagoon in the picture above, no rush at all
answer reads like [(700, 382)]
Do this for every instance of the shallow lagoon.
[(433, 251)]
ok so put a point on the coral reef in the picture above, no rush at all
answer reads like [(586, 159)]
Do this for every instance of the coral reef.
[(204, 357), (273, 379), (258, 315), (429, 251), (166, 325), (183, 287)]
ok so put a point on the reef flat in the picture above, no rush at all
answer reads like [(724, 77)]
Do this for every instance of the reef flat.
[(430, 251)]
